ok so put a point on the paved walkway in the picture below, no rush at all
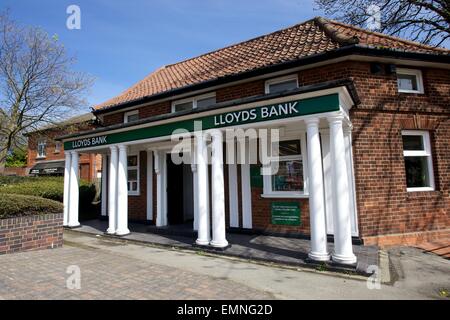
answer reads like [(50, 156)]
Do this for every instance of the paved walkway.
[(113, 269), (290, 251), (104, 275)]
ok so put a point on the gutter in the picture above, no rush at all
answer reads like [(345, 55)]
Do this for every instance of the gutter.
[(305, 89), (352, 49)]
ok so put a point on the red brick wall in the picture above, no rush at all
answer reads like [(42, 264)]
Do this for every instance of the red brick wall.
[(155, 109), (90, 164), (137, 205), (31, 233), (16, 171), (144, 112), (254, 88), (384, 205), (111, 119)]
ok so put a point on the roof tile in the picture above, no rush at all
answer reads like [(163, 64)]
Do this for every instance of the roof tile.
[(314, 36)]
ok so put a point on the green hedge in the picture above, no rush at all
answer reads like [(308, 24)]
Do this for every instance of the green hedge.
[(45, 187), (51, 188), (17, 205)]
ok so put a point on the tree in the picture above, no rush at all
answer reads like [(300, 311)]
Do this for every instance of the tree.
[(16, 158), (426, 21), (37, 85)]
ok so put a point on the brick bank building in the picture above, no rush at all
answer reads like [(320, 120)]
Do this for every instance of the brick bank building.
[(364, 150)]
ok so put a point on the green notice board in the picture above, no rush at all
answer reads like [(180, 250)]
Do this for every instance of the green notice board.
[(286, 213), (256, 179)]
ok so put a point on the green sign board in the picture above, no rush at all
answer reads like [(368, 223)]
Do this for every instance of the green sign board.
[(283, 110), (256, 179), (286, 213)]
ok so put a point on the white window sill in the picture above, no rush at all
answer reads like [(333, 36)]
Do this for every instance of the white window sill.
[(285, 196), (133, 194), (420, 189), (40, 158), (410, 91)]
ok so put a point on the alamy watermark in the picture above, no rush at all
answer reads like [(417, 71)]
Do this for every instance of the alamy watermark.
[(73, 281), (374, 20), (243, 146), (73, 21), (374, 280)]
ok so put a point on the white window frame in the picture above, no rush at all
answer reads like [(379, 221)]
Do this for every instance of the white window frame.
[(129, 113), (280, 80), (425, 153), (137, 167), (419, 79), (268, 192), (58, 146), (40, 142), (193, 100)]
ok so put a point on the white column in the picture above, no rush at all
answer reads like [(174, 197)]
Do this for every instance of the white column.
[(218, 192), (201, 157), (112, 191), (319, 250), (73, 191), (159, 166), (104, 184), (122, 193), (66, 196), (246, 187), (232, 185), (149, 185), (343, 250), (195, 188)]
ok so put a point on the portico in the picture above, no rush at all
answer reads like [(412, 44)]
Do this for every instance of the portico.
[(223, 194)]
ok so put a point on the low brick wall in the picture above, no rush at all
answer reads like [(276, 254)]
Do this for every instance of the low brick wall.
[(31, 233), (408, 239)]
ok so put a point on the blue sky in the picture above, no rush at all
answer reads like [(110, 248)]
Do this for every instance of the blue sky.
[(120, 42)]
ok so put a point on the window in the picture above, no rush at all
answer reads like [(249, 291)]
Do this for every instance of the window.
[(57, 147), (290, 179), (281, 84), (131, 116), (409, 80), (133, 175), (202, 101), (418, 162), (41, 148)]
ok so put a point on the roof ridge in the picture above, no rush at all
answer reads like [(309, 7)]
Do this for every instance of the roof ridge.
[(380, 34), (334, 34), (240, 43)]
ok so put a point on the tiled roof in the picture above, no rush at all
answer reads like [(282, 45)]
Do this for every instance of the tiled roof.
[(315, 36)]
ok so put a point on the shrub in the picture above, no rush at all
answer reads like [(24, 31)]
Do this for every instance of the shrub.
[(17, 205), (52, 188), (45, 187)]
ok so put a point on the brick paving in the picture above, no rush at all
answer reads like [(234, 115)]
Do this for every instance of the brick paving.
[(43, 274)]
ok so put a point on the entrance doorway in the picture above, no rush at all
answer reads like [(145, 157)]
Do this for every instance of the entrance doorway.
[(180, 197)]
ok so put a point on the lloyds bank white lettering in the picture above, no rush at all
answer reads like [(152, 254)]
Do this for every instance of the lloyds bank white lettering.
[(89, 142), (275, 111)]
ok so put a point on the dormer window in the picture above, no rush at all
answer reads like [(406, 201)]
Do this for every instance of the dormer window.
[(202, 101), (282, 84), (131, 116), (409, 80)]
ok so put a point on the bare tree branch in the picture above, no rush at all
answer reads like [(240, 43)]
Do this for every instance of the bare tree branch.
[(37, 85), (426, 21)]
